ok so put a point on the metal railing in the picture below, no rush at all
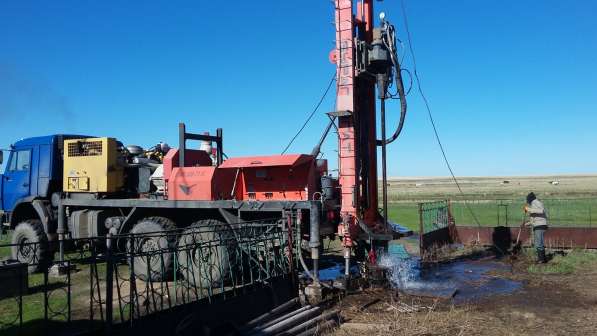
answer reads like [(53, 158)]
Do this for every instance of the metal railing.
[(576, 212), (436, 229), (433, 216), (119, 279)]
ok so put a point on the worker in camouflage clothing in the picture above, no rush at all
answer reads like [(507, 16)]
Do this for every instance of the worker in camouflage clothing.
[(538, 221)]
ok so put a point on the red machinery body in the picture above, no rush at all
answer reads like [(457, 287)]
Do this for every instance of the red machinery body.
[(279, 177), (198, 180), (259, 178)]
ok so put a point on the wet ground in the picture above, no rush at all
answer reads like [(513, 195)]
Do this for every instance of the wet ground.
[(333, 268), (460, 281), (476, 297)]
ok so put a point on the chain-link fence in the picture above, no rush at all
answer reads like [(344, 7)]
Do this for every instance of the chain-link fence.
[(577, 212)]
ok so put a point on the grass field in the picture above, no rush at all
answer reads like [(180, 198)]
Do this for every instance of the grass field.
[(493, 201), (569, 212)]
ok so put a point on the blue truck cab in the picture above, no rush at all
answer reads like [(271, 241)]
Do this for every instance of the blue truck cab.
[(33, 172), (32, 175)]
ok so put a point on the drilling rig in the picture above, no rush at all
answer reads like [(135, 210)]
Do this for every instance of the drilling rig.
[(63, 187), (367, 62)]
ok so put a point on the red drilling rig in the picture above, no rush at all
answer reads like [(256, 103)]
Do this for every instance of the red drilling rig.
[(366, 58)]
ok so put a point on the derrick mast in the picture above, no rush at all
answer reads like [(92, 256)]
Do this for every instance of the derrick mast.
[(365, 58)]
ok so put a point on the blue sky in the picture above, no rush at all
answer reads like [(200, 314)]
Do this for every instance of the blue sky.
[(512, 84)]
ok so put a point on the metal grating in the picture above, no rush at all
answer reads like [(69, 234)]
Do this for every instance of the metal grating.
[(91, 148)]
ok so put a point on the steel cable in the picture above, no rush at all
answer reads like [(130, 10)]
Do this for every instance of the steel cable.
[(437, 138), (312, 113)]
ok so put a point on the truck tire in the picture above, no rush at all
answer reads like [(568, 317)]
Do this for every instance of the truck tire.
[(30, 245), (204, 253), (152, 245)]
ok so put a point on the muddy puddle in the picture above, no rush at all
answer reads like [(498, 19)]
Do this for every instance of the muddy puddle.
[(459, 281)]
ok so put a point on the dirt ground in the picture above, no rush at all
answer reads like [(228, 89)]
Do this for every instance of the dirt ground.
[(546, 305)]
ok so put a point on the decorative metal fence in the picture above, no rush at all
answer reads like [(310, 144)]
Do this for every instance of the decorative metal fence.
[(577, 212), (115, 280)]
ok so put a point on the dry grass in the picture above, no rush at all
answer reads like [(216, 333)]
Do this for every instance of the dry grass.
[(401, 189), (428, 320)]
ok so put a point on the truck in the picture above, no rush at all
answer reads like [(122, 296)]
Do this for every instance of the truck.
[(63, 187), (66, 187)]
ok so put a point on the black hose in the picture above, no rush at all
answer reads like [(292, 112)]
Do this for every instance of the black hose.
[(402, 96)]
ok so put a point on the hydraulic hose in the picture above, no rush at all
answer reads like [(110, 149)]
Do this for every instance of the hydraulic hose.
[(391, 46)]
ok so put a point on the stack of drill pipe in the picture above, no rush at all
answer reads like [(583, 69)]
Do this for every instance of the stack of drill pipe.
[(320, 323), (304, 321), (286, 321), (272, 314)]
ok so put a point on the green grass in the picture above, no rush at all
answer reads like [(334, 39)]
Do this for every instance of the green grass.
[(5, 250), (33, 307), (406, 214), (562, 212), (572, 262), (33, 301)]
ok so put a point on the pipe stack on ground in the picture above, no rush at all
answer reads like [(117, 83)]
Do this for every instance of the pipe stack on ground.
[(289, 319)]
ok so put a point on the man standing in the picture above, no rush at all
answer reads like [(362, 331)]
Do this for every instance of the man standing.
[(538, 222)]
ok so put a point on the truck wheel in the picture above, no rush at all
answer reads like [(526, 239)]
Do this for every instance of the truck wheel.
[(152, 246), (204, 253), (30, 245)]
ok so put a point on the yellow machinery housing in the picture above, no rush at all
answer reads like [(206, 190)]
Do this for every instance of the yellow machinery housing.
[(91, 166)]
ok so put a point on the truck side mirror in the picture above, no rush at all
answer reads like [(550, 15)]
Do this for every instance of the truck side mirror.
[(1, 157)]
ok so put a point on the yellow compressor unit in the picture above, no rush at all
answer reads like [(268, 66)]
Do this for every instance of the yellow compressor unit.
[(91, 165)]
